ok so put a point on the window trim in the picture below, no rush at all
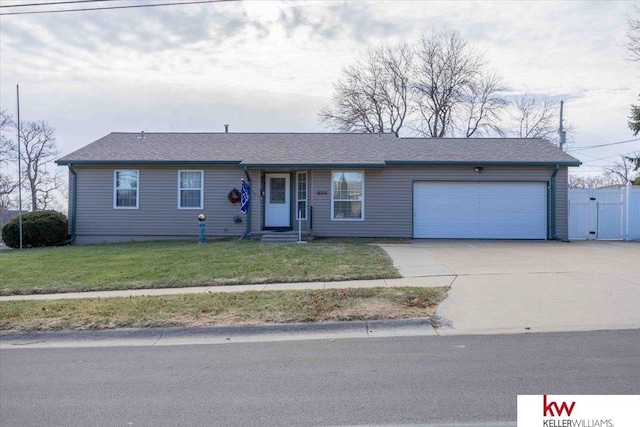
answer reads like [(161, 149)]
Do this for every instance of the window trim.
[(306, 199), (115, 189), (201, 205), (333, 218)]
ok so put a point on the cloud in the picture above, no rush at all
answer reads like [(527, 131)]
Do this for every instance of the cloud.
[(361, 22), (139, 31), (267, 65), (296, 19)]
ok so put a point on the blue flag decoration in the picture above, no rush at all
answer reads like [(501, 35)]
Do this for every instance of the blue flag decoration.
[(245, 195)]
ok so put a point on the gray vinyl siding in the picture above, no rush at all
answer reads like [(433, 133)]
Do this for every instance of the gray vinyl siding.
[(388, 209), (562, 203), (256, 199), (157, 216), (388, 206)]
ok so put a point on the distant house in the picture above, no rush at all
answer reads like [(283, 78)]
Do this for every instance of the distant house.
[(129, 186)]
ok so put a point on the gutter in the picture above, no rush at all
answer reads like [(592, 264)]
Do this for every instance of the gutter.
[(72, 206), (476, 163), (63, 162), (248, 229), (552, 205), (300, 166)]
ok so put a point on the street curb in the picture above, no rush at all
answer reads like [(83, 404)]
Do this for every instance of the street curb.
[(218, 334)]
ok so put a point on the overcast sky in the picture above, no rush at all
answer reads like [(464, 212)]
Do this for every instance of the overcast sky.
[(267, 66)]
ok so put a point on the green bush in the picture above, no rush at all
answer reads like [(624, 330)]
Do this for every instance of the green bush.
[(42, 228)]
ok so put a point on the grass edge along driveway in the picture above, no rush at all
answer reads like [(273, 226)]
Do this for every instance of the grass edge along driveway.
[(170, 264)]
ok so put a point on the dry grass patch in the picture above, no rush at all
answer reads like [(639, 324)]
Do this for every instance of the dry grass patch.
[(242, 308)]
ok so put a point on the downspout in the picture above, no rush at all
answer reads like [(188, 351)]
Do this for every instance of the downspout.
[(72, 207), (248, 229), (552, 205)]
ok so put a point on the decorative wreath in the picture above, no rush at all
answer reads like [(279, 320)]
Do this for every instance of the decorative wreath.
[(234, 196)]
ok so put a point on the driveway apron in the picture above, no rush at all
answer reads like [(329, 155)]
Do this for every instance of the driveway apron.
[(529, 286)]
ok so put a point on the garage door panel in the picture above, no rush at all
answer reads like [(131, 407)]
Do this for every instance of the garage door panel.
[(487, 210)]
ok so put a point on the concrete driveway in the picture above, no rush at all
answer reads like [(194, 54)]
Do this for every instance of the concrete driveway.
[(528, 286)]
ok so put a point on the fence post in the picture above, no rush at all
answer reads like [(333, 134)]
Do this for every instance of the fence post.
[(627, 211)]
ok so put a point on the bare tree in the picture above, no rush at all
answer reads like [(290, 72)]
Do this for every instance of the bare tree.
[(6, 146), (633, 46), (372, 94), (7, 153), (621, 172), (537, 116), (38, 151), (583, 182), (534, 117), (453, 92), (438, 88), (482, 107), (595, 181)]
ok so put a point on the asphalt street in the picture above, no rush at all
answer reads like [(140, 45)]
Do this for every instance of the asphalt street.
[(435, 380)]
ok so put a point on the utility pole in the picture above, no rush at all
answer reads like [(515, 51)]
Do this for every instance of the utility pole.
[(561, 132), (19, 169)]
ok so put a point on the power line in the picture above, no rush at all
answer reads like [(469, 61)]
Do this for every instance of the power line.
[(54, 3), (116, 7), (603, 145), (593, 158), (592, 171)]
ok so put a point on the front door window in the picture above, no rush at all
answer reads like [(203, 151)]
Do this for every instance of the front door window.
[(277, 194)]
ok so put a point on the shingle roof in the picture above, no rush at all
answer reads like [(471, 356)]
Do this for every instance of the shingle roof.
[(313, 149)]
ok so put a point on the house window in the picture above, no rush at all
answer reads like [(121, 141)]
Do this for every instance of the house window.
[(190, 189), (125, 189), (347, 196), (301, 194)]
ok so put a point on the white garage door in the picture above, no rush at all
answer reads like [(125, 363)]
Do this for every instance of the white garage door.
[(480, 210)]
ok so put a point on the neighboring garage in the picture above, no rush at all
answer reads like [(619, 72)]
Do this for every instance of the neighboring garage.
[(479, 210)]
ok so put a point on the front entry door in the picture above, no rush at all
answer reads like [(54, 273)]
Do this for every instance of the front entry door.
[(277, 207)]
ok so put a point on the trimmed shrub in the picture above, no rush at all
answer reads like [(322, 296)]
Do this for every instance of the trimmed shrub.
[(42, 228)]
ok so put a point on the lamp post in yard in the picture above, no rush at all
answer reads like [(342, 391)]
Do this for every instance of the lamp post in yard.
[(201, 220)]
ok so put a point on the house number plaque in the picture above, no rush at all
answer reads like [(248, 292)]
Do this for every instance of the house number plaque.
[(322, 192)]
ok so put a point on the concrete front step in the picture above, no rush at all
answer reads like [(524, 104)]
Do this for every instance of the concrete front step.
[(282, 236), (279, 238)]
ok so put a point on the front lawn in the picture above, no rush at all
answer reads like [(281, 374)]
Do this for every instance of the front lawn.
[(182, 264)]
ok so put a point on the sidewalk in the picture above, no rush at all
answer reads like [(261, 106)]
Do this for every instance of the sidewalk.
[(416, 282), (494, 286)]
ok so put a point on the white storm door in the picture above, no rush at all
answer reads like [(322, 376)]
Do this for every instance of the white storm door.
[(277, 207)]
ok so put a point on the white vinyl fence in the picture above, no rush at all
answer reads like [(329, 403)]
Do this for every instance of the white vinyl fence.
[(612, 214)]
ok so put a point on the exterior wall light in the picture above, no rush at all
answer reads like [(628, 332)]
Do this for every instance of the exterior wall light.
[(478, 169)]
